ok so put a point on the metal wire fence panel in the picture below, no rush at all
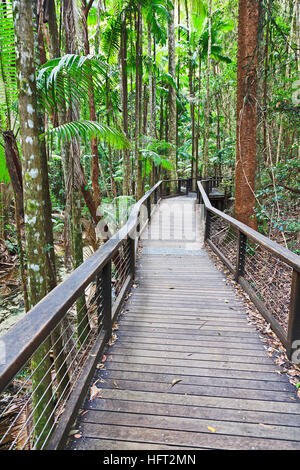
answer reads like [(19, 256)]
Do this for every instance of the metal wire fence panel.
[(224, 237), (271, 279), (121, 265), (35, 399)]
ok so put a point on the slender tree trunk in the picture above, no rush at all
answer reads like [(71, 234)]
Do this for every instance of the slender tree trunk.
[(172, 101), (124, 79), (138, 100), (92, 108), (246, 112), (207, 104), (33, 208)]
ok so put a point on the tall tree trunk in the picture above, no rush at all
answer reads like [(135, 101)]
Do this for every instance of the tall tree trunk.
[(246, 112), (33, 209), (124, 79), (172, 100), (151, 121), (138, 100), (207, 104), (92, 108)]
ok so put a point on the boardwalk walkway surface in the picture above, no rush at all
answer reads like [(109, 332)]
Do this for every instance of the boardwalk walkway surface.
[(187, 370)]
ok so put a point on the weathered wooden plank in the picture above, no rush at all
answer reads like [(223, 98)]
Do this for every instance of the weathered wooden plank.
[(197, 425), (187, 350), (198, 440), (203, 372), (158, 377), (96, 443), (166, 339), (198, 336), (203, 390), (202, 401), (203, 412), (210, 357)]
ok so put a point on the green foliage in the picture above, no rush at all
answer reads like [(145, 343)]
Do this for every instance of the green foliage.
[(69, 79), (4, 175), (88, 129), (8, 76)]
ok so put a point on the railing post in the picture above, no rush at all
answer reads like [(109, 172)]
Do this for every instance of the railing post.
[(293, 351), (179, 186), (241, 255), (99, 297), (206, 187), (161, 189), (149, 208), (131, 242), (155, 196), (106, 292), (207, 225), (186, 187)]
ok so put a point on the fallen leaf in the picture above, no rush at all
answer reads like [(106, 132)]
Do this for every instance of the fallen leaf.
[(116, 384), (266, 426), (94, 391), (211, 429), (78, 436), (73, 432), (175, 381), (104, 358)]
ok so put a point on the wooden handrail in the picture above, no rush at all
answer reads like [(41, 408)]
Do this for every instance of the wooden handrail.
[(283, 253), (24, 338)]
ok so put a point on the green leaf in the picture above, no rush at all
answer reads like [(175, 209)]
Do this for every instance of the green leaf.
[(87, 130)]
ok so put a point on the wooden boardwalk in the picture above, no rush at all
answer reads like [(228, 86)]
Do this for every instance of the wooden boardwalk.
[(187, 370)]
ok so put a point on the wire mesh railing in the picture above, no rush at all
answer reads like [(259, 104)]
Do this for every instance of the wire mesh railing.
[(224, 236), (271, 279), (47, 354), (35, 398), (269, 273)]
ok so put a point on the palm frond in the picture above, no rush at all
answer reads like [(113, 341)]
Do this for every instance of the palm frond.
[(8, 75), (111, 36), (88, 129), (68, 79)]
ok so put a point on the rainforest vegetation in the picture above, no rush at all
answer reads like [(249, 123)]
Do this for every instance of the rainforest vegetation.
[(100, 99)]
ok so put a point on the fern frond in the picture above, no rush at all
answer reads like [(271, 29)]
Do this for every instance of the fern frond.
[(8, 75), (68, 79), (88, 129)]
